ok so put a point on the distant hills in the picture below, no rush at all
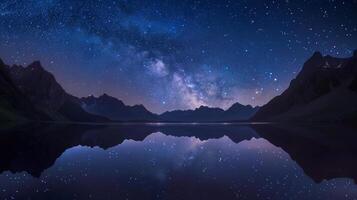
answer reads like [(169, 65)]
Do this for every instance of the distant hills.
[(32, 93), (115, 109), (324, 90), (237, 112)]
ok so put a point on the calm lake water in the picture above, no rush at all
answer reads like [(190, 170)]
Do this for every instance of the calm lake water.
[(167, 161)]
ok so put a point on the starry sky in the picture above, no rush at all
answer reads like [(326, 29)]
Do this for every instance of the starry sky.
[(176, 54)]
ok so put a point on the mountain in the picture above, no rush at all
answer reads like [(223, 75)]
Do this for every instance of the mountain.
[(33, 93), (115, 109), (40, 87), (13, 104), (33, 90), (240, 112), (203, 113), (236, 112), (324, 90)]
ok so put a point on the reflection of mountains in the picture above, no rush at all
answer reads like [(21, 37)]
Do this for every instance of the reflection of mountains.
[(323, 152), (326, 155), (35, 148)]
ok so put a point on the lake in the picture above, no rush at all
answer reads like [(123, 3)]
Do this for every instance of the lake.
[(178, 161)]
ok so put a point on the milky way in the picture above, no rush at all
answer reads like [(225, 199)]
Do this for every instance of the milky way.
[(175, 54)]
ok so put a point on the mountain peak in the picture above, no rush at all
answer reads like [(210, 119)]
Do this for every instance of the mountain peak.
[(312, 64), (109, 99), (104, 95), (315, 58), (320, 92), (202, 107), (317, 54), (36, 65), (236, 105), (205, 108), (139, 106), (113, 108)]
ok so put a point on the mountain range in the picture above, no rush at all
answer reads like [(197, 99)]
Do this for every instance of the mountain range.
[(237, 112), (324, 90), (115, 109), (33, 93)]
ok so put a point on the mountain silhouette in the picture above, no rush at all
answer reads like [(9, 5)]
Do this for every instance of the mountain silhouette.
[(33, 93), (324, 90), (236, 112), (240, 112), (33, 90), (115, 109), (13, 104)]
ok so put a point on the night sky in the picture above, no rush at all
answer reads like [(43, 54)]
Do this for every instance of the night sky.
[(175, 54)]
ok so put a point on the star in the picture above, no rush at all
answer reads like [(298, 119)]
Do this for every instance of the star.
[(178, 55)]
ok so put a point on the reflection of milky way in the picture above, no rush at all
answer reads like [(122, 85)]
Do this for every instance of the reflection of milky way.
[(177, 54), (172, 167)]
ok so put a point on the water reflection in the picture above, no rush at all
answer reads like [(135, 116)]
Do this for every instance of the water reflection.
[(324, 152), (178, 162)]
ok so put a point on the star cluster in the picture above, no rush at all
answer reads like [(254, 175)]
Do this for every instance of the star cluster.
[(175, 54)]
